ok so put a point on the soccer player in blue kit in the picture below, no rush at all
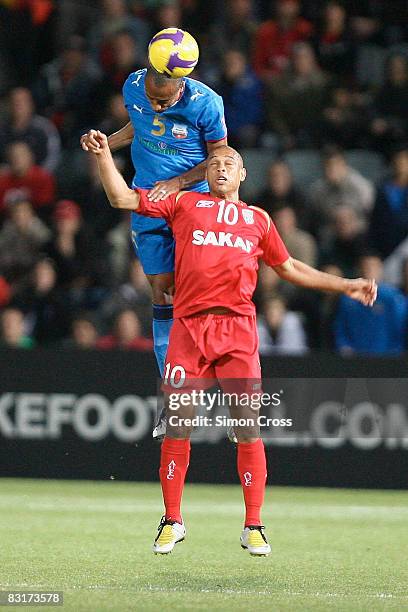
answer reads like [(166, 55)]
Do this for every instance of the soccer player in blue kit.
[(174, 125)]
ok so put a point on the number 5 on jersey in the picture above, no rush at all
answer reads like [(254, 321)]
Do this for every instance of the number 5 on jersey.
[(161, 128)]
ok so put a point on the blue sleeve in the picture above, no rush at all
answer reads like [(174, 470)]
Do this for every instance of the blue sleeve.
[(212, 120)]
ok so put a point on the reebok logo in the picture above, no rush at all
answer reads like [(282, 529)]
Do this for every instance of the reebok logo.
[(205, 204)]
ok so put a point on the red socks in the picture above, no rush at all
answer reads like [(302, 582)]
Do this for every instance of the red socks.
[(251, 463), (175, 457)]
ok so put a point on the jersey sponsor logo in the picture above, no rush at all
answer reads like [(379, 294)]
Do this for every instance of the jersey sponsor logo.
[(196, 95), (179, 131), (205, 204), (248, 216), (138, 108), (222, 239), (160, 147)]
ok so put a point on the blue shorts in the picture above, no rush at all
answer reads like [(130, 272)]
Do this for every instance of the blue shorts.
[(154, 244), (153, 239)]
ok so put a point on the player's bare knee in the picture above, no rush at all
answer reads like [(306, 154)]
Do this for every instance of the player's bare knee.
[(179, 421), (247, 435)]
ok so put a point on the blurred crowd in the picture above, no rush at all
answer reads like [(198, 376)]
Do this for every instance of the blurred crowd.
[(327, 77)]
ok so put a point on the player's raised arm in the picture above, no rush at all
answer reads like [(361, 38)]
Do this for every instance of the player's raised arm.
[(119, 194), (117, 140), (361, 289)]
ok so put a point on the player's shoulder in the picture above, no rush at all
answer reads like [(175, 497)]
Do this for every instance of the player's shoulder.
[(261, 215), (195, 197), (200, 93), (135, 80)]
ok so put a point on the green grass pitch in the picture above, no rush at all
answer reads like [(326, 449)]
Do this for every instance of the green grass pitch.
[(332, 549)]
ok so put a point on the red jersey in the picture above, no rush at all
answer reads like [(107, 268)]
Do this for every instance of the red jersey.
[(218, 245)]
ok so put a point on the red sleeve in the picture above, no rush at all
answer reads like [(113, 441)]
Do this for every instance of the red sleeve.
[(274, 250), (163, 209)]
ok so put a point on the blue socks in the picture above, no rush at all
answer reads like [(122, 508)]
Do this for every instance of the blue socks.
[(162, 322)]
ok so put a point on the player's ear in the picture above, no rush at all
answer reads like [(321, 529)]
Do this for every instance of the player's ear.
[(243, 174)]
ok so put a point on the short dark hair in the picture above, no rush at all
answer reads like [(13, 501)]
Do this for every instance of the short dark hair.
[(160, 79)]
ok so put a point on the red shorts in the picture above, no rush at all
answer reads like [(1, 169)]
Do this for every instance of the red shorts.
[(210, 347)]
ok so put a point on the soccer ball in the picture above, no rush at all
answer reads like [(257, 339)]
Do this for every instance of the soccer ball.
[(173, 52)]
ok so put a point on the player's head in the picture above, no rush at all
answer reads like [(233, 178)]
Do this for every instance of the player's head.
[(161, 90), (225, 170)]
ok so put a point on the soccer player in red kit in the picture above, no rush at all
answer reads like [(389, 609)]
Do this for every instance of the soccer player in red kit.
[(219, 240)]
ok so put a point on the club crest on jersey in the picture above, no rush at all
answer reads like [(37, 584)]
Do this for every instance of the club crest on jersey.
[(248, 216), (179, 131), (205, 204)]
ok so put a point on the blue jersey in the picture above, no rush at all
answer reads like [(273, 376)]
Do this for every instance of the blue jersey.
[(169, 143)]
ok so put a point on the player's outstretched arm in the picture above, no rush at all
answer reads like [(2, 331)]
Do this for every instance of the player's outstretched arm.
[(119, 194), (117, 140), (361, 289)]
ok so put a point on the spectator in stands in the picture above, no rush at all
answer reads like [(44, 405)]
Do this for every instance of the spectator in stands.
[(343, 121), (21, 238), (389, 220), (125, 57), (12, 333), (134, 294), (96, 212), (275, 38), (5, 292), (380, 330), (236, 30), (333, 41), (22, 173), (346, 242), (120, 251), (365, 18), (280, 331), (281, 191), (114, 17), (295, 99), (84, 332), (64, 90), (238, 85), (22, 124), (127, 334), (74, 249), (300, 244), (339, 184), (390, 123), (26, 36), (45, 305)]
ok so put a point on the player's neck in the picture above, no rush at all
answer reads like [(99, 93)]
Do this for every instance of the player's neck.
[(232, 196)]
